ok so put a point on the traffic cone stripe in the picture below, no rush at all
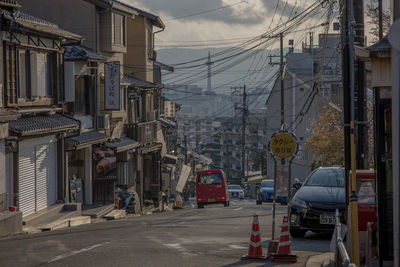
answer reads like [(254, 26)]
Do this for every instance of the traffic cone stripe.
[(284, 243), (285, 224), (285, 234), (255, 233), (255, 244)]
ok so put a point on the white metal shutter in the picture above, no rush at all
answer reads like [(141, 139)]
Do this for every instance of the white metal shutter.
[(41, 176), (26, 173), (9, 179), (52, 174)]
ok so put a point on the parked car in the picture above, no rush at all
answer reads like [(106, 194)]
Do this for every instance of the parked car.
[(211, 187), (265, 192), (313, 206), (235, 191)]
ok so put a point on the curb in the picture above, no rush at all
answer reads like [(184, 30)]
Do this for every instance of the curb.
[(65, 223)]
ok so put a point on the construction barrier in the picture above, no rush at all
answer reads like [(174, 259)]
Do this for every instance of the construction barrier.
[(255, 246), (284, 252)]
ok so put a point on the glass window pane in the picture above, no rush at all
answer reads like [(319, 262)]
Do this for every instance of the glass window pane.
[(208, 179), (326, 178)]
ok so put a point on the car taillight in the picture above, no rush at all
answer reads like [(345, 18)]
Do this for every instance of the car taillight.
[(199, 199), (223, 198)]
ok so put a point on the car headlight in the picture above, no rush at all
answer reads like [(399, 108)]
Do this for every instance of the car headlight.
[(296, 201)]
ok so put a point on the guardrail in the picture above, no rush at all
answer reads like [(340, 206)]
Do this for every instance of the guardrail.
[(341, 256)]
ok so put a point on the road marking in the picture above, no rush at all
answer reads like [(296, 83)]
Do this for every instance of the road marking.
[(237, 247), (181, 222), (180, 248), (239, 208), (65, 255), (192, 205)]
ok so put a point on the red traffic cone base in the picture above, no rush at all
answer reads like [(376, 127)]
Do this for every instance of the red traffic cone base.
[(283, 253), (255, 247)]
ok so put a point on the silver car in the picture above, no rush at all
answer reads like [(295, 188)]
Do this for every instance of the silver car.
[(235, 191)]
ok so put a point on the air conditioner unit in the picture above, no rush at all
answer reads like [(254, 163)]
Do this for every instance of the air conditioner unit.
[(104, 122)]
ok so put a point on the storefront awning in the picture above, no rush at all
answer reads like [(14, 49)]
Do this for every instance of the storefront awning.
[(86, 139), (43, 125), (123, 144)]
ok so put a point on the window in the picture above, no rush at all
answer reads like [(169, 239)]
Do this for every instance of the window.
[(84, 95), (34, 74), (119, 29), (326, 178), (212, 178), (150, 45)]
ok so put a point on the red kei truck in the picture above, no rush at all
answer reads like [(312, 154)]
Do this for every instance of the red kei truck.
[(211, 187)]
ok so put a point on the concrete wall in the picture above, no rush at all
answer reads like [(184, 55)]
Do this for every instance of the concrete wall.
[(10, 223), (76, 16)]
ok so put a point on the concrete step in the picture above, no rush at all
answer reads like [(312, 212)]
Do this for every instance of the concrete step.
[(115, 215), (65, 223), (96, 212)]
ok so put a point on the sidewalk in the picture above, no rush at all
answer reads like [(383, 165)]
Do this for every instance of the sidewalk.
[(321, 260)]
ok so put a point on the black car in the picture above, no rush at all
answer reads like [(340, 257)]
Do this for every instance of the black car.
[(313, 206)]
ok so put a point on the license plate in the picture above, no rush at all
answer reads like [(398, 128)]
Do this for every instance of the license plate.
[(327, 219), (211, 199)]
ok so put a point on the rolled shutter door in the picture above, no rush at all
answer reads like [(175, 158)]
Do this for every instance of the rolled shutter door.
[(41, 176), (52, 174), (26, 173)]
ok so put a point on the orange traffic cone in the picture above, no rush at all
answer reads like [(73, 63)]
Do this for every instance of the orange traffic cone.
[(255, 247), (283, 254)]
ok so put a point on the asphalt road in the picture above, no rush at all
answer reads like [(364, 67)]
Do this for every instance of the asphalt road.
[(213, 236)]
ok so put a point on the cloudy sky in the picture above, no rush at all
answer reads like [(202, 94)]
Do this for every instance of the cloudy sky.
[(218, 19)]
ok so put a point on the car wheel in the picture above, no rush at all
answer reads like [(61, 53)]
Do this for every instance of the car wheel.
[(200, 206), (258, 202), (226, 203), (297, 232)]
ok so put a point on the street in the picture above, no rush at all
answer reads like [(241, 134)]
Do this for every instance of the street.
[(213, 236)]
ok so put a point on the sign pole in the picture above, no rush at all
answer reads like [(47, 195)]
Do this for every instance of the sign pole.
[(273, 202)]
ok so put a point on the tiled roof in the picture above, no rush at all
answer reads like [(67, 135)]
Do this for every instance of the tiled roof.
[(136, 82), (381, 45), (10, 3), (38, 25), (92, 137), (81, 53), (123, 144), (43, 124)]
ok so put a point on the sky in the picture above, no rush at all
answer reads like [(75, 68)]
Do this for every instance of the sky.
[(219, 19)]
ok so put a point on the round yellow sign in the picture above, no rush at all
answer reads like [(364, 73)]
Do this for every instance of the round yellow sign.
[(283, 145)]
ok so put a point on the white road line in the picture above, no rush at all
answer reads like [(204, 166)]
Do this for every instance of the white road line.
[(180, 248), (181, 222), (192, 205), (65, 255), (237, 247), (239, 208)]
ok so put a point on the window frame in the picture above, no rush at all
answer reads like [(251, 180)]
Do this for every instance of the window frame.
[(122, 31)]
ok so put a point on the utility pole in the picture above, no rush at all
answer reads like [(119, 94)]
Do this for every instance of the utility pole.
[(209, 63), (282, 86), (186, 150), (244, 118), (355, 251), (244, 114)]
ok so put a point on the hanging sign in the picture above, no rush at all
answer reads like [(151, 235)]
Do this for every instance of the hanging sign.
[(283, 145), (112, 86)]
